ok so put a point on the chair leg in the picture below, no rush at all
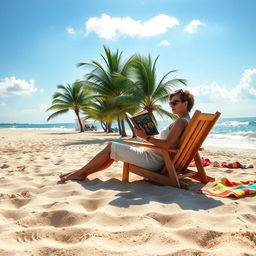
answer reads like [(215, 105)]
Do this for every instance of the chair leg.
[(126, 172), (201, 171), (171, 170)]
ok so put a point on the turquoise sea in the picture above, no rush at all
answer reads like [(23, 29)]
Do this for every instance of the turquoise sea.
[(228, 132), (234, 132)]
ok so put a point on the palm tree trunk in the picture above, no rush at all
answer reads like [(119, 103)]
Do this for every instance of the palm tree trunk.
[(79, 120), (109, 127), (119, 126), (123, 132), (131, 126), (104, 127)]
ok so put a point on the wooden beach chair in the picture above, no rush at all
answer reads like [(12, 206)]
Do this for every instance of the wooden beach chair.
[(178, 160)]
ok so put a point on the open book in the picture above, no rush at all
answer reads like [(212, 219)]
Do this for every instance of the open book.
[(144, 119)]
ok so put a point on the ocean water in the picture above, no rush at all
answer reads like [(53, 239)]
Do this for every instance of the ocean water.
[(231, 132), (227, 132), (234, 132), (56, 126)]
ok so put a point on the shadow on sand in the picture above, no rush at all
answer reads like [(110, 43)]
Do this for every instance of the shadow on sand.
[(143, 192), (93, 141), (102, 137)]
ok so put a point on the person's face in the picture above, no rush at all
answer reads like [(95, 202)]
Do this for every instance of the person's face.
[(178, 107)]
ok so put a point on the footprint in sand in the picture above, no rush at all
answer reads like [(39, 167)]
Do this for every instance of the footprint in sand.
[(22, 194), (91, 204), (73, 235), (57, 218), (5, 166), (21, 168)]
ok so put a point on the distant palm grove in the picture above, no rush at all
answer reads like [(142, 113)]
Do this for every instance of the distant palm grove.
[(113, 88)]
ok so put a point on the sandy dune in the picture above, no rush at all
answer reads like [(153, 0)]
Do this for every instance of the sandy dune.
[(104, 216)]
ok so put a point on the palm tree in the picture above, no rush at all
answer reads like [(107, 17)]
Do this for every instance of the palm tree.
[(71, 97), (147, 91), (100, 110), (107, 85)]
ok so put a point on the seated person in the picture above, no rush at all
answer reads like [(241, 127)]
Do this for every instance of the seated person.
[(93, 128), (86, 127), (181, 102)]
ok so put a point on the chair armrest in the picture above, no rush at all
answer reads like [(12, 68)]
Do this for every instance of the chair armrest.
[(140, 143), (148, 145)]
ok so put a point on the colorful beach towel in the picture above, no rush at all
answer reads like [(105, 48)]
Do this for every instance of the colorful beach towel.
[(208, 162), (227, 188)]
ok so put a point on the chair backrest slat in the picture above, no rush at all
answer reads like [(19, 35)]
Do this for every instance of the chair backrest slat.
[(190, 145), (193, 137), (202, 134)]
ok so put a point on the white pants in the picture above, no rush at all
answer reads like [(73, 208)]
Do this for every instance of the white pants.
[(142, 157)]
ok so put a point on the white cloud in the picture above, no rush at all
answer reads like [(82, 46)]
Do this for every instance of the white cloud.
[(164, 43), (212, 93), (247, 84), (2, 104), (70, 30), (11, 86), (252, 91), (108, 27), (245, 89), (192, 27)]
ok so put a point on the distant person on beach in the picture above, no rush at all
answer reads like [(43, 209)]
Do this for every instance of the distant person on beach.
[(181, 102), (94, 128), (86, 127)]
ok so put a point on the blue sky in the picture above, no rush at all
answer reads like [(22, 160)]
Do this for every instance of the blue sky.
[(210, 43)]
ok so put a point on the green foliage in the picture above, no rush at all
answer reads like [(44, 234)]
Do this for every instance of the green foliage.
[(115, 87), (105, 83), (70, 97), (147, 92)]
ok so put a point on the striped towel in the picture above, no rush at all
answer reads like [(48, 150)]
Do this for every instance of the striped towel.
[(208, 162), (227, 188)]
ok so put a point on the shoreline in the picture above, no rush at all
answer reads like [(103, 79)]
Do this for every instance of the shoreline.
[(71, 130)]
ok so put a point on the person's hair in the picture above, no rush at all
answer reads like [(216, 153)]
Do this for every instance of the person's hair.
[(185, 95)]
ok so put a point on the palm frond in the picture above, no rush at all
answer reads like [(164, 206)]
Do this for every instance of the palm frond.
[(71, 97), (163, 113), (57, 113), (59, 106)]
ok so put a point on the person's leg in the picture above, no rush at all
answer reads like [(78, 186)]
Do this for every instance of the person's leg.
[(100, 162), (100, 167)]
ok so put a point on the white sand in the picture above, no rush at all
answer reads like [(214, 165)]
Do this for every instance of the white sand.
[(104, 216)]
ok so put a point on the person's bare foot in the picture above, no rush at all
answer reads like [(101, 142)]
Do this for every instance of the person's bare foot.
[(75, 175)]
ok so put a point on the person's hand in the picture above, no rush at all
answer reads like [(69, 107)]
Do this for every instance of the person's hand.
[(141, 132)]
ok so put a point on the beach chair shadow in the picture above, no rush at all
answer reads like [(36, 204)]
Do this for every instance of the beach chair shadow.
[(142, 193), (177, 160), (93, 141)]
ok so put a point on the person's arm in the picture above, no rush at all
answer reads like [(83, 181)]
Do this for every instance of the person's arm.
[(174, 135)]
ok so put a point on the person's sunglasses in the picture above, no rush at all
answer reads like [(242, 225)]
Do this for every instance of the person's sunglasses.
[(179, 91), (174, 103)]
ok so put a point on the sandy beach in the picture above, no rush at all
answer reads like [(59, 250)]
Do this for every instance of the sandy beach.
[(39, 215)]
